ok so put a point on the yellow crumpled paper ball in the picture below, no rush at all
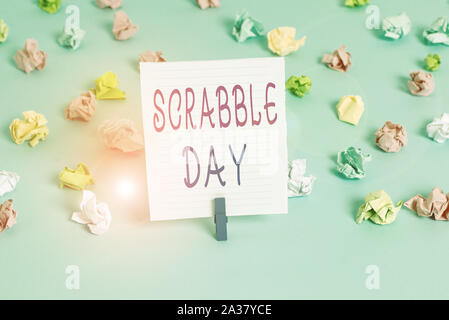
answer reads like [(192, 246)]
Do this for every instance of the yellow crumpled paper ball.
[(350, 109), (106, 87), (282, 41), (77, 179), (32, 127)]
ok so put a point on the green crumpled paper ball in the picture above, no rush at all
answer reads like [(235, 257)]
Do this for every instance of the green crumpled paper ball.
[(246, 27), (438, 32), (299, 86), (351, 163), (3, 31), (379, 208), (396, 27), (51, 6), (71, 38), (432, 62), (356, 3)]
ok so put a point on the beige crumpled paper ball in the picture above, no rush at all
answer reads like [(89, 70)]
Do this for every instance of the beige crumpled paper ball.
[(391, 137)]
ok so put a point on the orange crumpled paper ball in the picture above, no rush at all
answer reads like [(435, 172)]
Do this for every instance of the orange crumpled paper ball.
[(81, 108), (122, 135)]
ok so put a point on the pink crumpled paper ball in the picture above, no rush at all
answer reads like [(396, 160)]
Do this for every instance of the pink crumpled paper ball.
[(391, 137), (7, 215), (422, 83), (30, 57), (123, 28)]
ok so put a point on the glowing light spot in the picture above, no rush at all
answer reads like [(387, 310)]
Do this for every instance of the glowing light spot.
[(125, 188)]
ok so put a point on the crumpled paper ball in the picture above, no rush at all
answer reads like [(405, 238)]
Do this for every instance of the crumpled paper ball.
[(8, 215), (351, 163), (391, 137), (281, 41), (150, 56), (438, 32), (123, 28), (8, 181), (95, 214), (113, 4), (106, 87), (30, 57), (356, 3), (436, 205), (298, 183), (299, 86), (350, 109), (246, 27), (204, 4), (81, 108), (3, 31), (397, 26), (122, 135), (71, 38), (422, 83), (379, 208), (339, 60), (432, 62), (438, 129), (76, 179), (32, 127), (50, 6)]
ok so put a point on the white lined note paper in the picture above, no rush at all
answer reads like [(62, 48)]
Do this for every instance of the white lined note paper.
[(182, 121)]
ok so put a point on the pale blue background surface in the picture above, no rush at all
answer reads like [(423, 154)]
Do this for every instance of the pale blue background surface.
[(316, 251)]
